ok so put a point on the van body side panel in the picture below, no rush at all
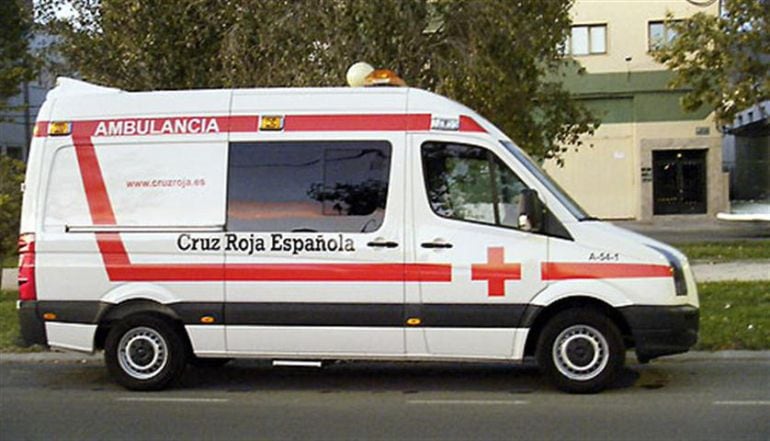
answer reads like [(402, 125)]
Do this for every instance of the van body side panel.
[(122, 196), (373, 223), (307, 271), (320, 268), (495, 268), (73, 336)]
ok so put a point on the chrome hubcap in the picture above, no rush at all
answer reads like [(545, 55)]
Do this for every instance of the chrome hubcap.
[(580, 352), (142, 353)]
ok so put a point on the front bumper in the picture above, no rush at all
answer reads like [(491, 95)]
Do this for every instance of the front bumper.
[(32, 326), (662, 330)]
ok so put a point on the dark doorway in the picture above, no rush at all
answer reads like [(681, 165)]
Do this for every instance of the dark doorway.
[(679, 181)]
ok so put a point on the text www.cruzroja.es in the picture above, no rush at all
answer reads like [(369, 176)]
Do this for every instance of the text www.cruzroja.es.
[(167, 183)]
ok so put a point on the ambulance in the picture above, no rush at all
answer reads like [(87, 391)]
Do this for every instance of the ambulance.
[(310, 224)]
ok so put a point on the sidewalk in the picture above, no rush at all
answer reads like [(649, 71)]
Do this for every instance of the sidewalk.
[(750, 270)]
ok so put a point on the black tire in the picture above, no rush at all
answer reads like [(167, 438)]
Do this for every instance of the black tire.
[(581, 350), (145, 352), (206, 363)]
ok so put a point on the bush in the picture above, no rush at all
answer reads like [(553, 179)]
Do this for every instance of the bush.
[(11, 177)]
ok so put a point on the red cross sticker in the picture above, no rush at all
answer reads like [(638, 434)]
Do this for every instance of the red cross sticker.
[(496, 271)]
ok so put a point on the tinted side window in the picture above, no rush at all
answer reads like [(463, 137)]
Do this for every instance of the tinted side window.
[(470, 183), (308, 186)]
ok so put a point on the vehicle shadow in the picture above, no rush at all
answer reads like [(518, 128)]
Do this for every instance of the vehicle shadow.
[(337, 377), (405, 377)]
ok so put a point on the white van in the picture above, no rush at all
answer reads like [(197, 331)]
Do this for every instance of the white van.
[(323, 223)]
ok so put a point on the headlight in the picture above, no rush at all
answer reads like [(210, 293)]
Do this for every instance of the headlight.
[(676, 268)]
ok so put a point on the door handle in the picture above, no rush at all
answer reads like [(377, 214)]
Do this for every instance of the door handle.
[(382, 244), (436, 244)]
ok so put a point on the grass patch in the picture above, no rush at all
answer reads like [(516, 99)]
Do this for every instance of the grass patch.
[(10, 262), (726, 251), (9, 322), (734, 315)]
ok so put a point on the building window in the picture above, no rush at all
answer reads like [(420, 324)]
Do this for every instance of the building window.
[(586, 40), (313, 186), (659, 35)]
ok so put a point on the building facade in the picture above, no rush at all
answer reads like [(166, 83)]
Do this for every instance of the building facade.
[(17, 120), (747, 157), (649, 157)]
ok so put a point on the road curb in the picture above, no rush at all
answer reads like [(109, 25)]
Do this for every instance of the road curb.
[(74, 357), (49, 357), (719, 355)]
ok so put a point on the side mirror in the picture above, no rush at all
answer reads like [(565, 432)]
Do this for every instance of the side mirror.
[(531, 211)]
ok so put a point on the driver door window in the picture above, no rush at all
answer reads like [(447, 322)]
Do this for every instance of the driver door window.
[(471, 184)]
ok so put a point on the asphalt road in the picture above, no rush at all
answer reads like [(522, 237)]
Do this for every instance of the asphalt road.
[(690, 398)]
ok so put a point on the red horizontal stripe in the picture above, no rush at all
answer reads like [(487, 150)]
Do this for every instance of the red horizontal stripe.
[(338, 272), (250, 123), (508, 271), (244, 123), (566, 271), (386, 122), (120, 269), (195, 125)]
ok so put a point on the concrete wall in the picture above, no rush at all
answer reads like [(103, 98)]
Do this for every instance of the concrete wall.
[(8, 280), (601, 176), (605, 175)]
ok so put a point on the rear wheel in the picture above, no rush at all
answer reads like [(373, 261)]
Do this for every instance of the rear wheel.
[(144, 353), (581, 350)]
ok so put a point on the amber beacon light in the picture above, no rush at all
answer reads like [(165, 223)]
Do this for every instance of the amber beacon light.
[(363, 74)]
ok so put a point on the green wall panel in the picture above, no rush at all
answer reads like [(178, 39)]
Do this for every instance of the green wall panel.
[(632, 97)]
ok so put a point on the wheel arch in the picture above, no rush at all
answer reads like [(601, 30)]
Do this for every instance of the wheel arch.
[(537, 317), (115, 313)]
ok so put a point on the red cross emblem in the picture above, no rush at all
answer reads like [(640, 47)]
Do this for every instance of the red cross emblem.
[(496, 271)]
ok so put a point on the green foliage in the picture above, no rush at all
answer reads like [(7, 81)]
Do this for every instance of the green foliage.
[(725, 60), (11, 177), (493, 55), (734, 315), (10, 335), (16, 64), (726, 251), (9, 322)]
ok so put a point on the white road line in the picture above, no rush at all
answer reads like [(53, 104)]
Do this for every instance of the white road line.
[(743, 403), (470, 402), (172, 400)]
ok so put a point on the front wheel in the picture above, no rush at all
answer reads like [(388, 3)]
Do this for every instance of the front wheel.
[(581, 350), (144, 353)]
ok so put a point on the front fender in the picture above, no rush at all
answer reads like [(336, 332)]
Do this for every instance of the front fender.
[(601, 290)]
